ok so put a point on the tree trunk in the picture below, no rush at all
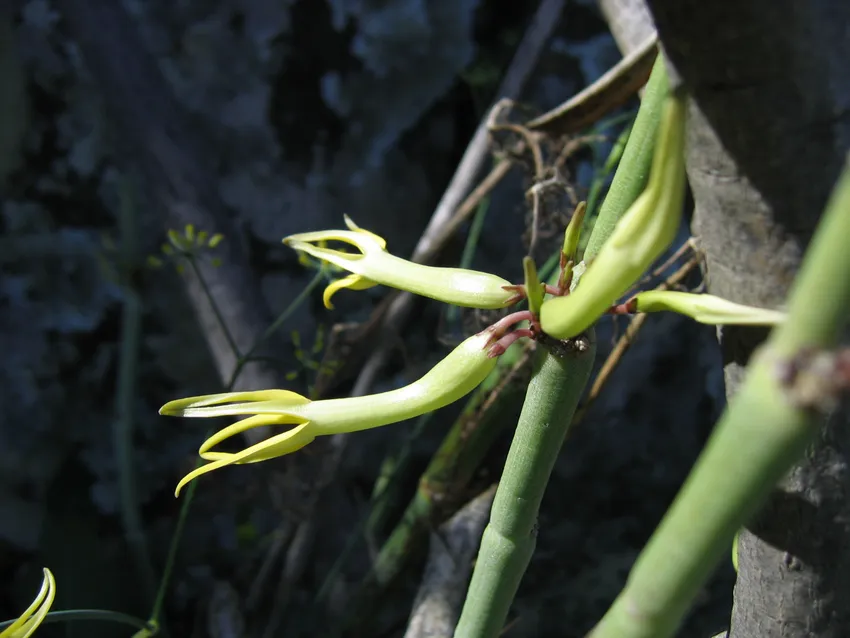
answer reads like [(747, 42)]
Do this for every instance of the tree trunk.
[(769, 128)]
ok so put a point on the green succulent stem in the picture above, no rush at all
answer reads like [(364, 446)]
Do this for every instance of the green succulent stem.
[(606, 169), (561, 371), (447, 475), (763, 433), (633, 171)]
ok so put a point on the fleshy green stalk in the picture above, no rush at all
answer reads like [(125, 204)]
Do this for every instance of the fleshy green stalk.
[(447, 475), (557, 383), (762, 434), (606, 169), (633, 172)]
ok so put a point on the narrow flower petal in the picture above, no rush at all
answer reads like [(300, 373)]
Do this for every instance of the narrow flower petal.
[(270, 448), (229, 403), (352, 226), (704, 308), (259, 420), (458, 286), (278, 445), (34, 615), (450, 379), (353, 282)]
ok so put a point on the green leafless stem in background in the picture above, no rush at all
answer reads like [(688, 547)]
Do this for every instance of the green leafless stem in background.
[(792, 382)]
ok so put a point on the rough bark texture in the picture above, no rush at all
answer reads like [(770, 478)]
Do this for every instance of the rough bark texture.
[(629, 20), (769, 128), (451, 554)]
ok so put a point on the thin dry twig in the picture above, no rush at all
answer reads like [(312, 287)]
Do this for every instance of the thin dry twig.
[(608, 92), (532, 140), (537, 34), (535, 193), (630, 22), (436, 608), (468, 207)]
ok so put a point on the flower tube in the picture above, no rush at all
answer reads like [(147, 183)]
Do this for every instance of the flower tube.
[(449, 380), (702, 308), (373, 265)]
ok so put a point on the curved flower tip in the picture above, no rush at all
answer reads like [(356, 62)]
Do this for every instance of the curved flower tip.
[(373, 265), (704, 308), (353, 282), (34, 615), (453, 377)]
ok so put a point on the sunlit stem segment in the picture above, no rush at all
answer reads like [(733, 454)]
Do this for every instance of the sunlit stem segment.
[(559, 376), (633, 170), (765, 430)]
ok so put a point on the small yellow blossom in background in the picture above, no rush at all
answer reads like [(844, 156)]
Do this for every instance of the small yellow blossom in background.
[(453, 377), (29, 621), (189, 244), (373, 265)]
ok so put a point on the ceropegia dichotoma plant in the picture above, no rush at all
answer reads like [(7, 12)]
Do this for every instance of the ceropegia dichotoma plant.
[(561, 317), (644, 232)]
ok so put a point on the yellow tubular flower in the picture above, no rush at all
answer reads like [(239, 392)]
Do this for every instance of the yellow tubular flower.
[(703, 308), (374, 265), (642, 234), (453, 377), (29, 621)]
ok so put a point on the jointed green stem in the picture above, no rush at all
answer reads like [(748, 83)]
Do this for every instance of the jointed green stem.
[(558, 380), (633, 172), (447, 475), (765, 430)]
